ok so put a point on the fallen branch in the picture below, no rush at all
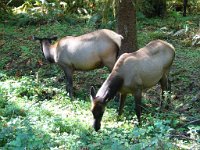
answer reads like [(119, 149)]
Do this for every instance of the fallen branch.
[(183, 137), (192, 122)]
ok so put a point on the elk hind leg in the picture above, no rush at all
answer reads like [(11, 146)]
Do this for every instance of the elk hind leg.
[(165, 87), (138, 99)]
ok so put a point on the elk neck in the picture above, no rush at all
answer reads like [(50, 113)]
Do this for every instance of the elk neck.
[(110, 87), (49, 51)]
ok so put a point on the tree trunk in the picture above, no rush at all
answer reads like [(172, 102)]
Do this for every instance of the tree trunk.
[(126, 25), (154, 8), (184, 7), (160, 8)]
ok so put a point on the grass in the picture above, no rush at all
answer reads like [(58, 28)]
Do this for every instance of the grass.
[(36, 113)]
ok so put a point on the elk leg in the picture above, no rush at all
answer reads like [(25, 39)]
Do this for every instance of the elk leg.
[(169, 85), (165, 86), (121, 104), (138, 98), (69, 81), (168, 89), (117, 97)]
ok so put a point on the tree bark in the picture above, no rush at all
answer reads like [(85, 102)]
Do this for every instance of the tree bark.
[(184, 7), (126, 25), (154, 8), (160, 7)]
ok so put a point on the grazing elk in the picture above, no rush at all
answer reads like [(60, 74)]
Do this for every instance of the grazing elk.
[(132, 73), (86, 52)]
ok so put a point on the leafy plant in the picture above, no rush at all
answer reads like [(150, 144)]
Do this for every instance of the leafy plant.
[(36, 113)]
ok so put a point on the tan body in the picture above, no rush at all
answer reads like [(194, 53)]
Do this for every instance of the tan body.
[(89, 51), (145, 67), (135, 72), (86, 52)]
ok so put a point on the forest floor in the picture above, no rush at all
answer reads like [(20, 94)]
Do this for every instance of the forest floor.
[(36, 113)]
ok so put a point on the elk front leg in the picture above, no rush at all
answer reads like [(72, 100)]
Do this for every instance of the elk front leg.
[(121, 103), (69, 82)]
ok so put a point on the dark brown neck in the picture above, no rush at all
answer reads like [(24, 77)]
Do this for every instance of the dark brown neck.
[(110, 87), (46, 48)]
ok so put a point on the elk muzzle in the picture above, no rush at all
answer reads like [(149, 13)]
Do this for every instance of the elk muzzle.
[(97, 125)]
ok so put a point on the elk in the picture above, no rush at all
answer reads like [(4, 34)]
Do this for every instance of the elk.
[(86, 52), (133, 73)]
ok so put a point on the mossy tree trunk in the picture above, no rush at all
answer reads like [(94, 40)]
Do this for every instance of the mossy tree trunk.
[(126, 25)]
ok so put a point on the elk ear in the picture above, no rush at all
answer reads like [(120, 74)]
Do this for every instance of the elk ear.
[(35, 38), (92, 93), (54, 38)]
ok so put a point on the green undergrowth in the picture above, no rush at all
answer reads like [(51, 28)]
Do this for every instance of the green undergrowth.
[(33, 118), (36, 112)]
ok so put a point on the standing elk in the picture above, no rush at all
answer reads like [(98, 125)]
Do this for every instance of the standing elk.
[(86, 52), (133, 73)]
